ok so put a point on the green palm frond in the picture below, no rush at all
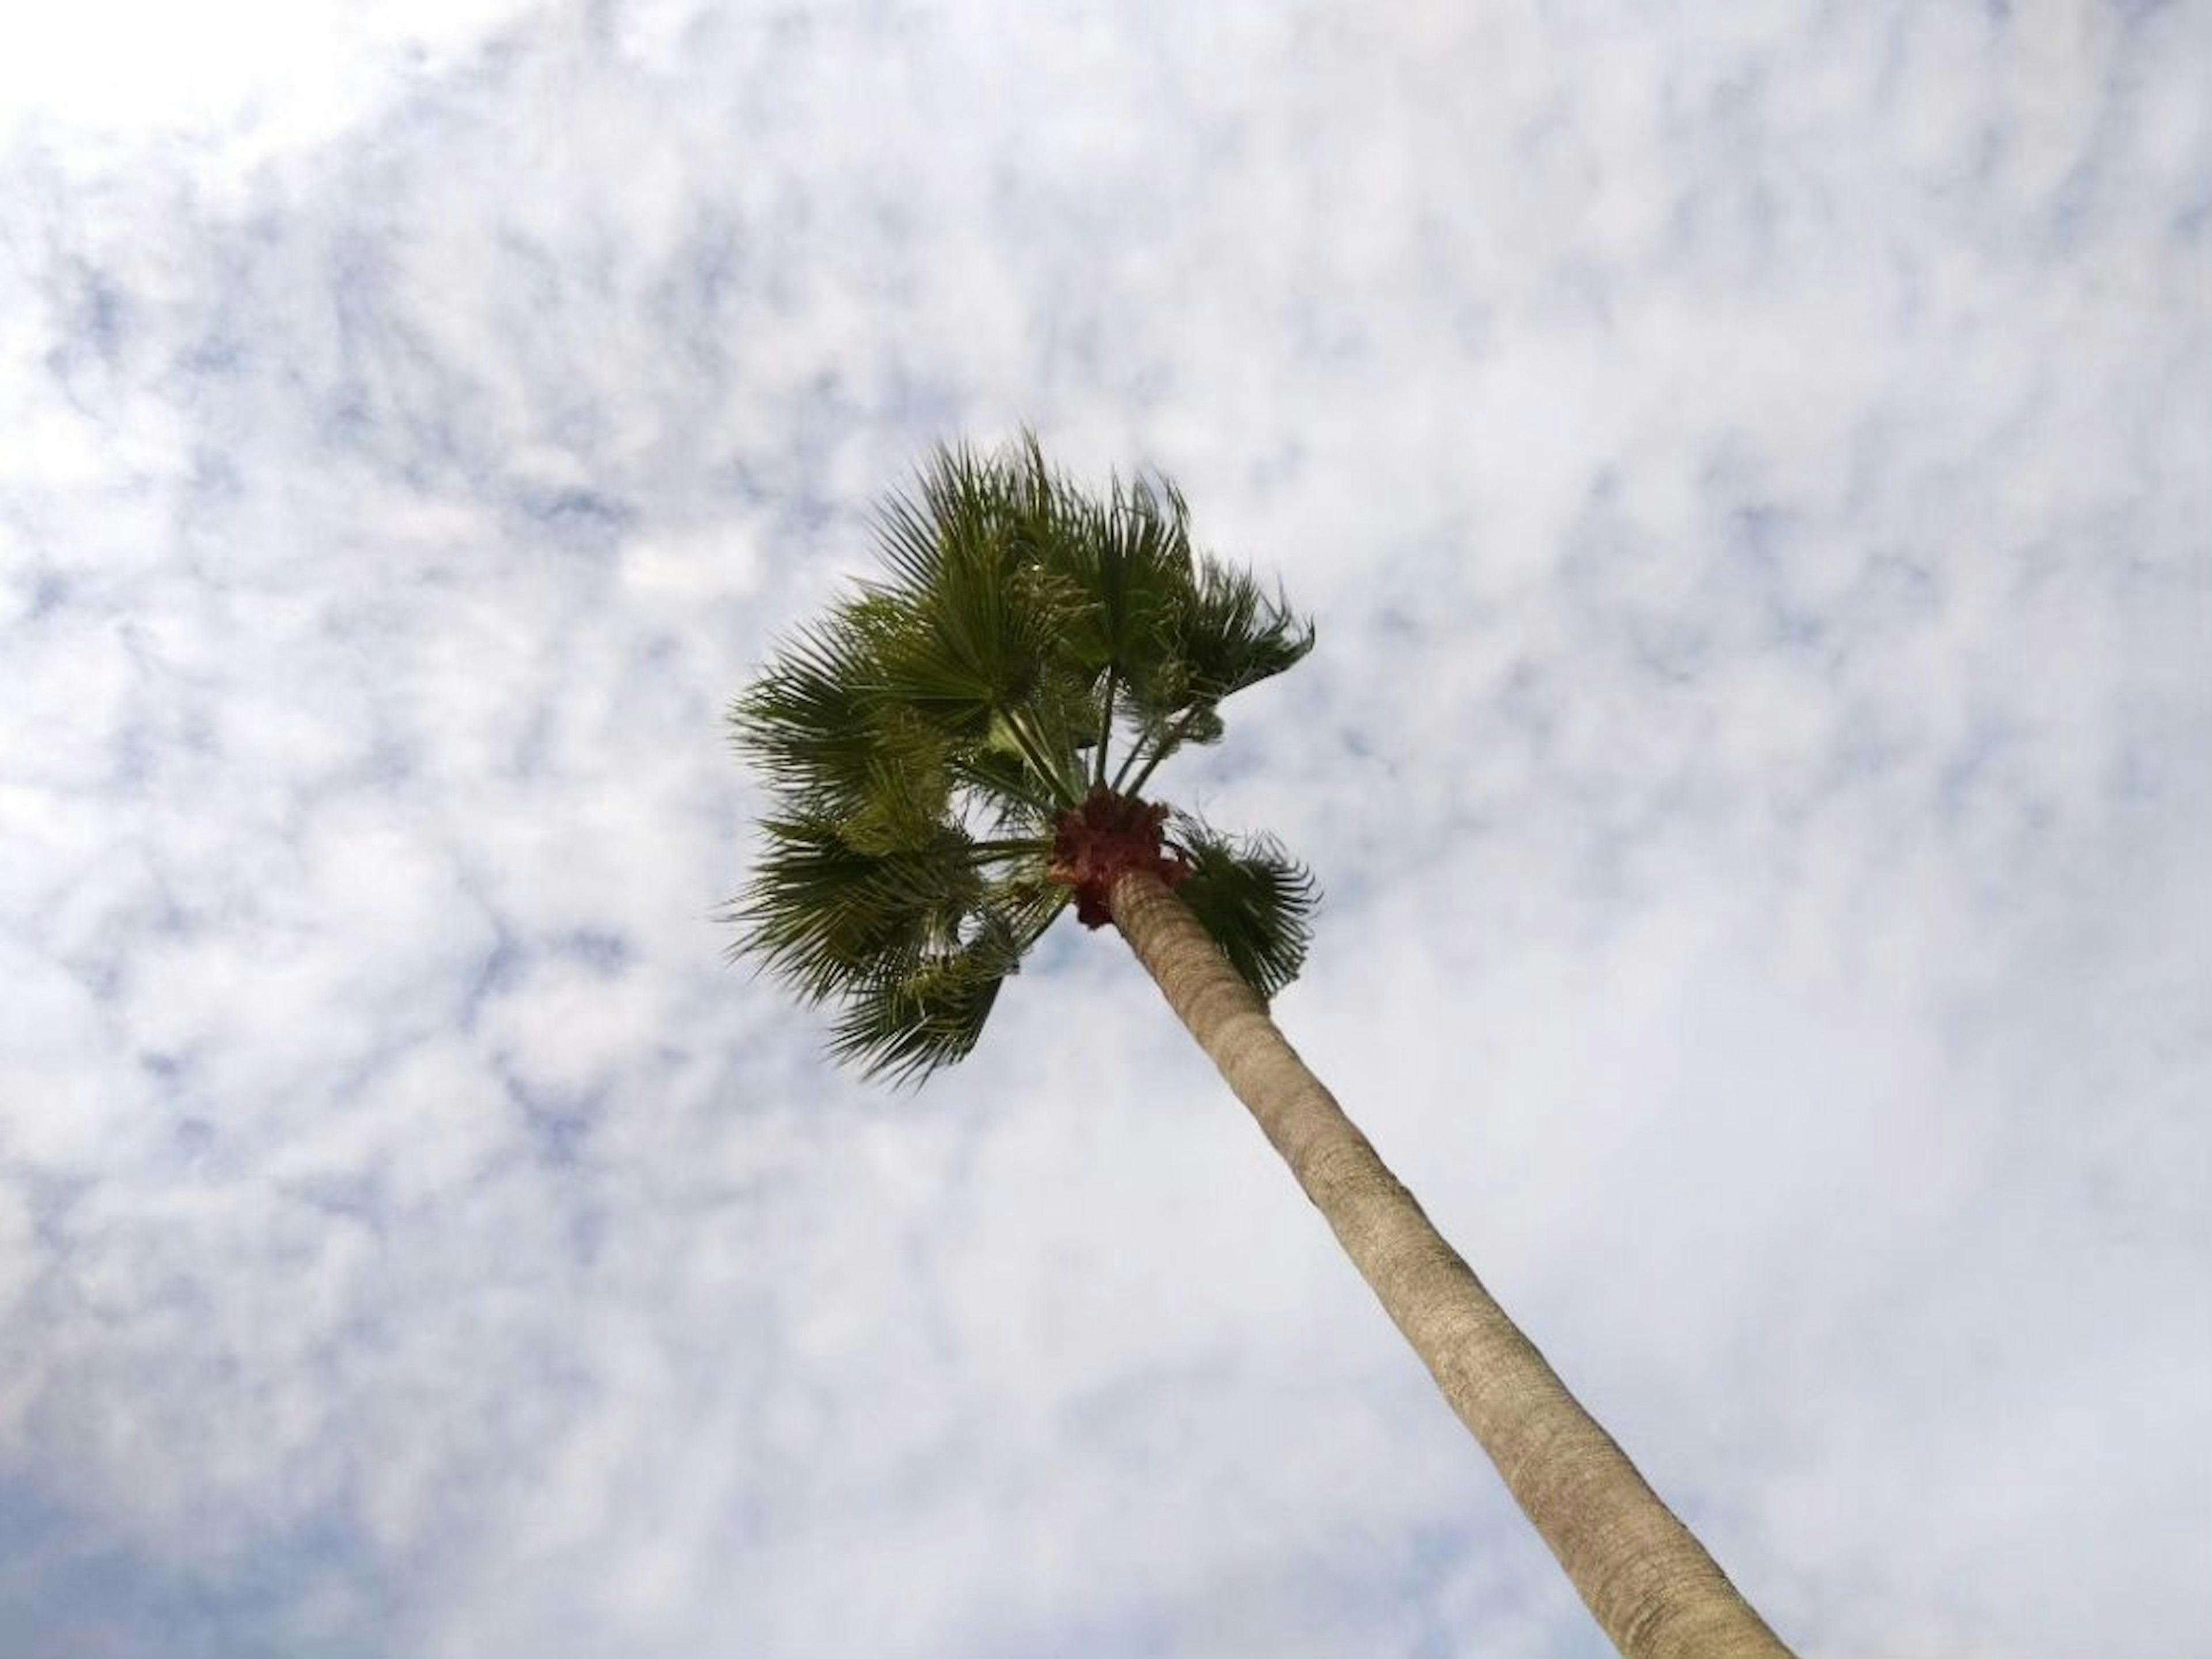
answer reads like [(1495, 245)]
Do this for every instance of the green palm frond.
[(910, 781), (805, 721), (974, 616), (824, 914), (905, 1025), (1234, 636), (1253, 897), (1129, 556), (1225, 636), (969, 648), (915, 1015)]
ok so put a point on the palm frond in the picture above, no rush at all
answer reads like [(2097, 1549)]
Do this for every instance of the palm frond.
[(824, 914), (1234, 636), (1128, 557), (965, 652), (806, 720), (905, 1023), (972, 617), (915, 1016), (1253, 897), (1225, 636)]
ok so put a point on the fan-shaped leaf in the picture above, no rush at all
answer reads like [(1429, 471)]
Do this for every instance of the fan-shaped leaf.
[(917, 1014), (806, 721), (824, 914), (1253, 897)]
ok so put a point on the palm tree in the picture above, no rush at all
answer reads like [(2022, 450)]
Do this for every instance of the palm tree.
[(938, 751)]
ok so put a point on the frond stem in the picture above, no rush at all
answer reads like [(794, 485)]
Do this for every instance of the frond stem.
[(1004, 849), (1168, 739), (987, 786), (1036, 932), (1105, 728), (1033, 752)]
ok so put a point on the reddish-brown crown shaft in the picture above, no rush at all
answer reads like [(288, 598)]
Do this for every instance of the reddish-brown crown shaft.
[(1094, 843)]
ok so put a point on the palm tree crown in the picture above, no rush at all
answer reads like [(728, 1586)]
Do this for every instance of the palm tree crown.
[(937, 751)]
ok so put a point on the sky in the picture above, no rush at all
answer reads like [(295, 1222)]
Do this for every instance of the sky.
[(1751, 470)]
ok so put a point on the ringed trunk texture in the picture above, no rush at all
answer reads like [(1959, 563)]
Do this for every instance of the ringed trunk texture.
[(1654, 1589)]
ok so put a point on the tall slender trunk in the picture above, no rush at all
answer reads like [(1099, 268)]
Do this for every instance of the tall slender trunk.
[(1651, 1585)]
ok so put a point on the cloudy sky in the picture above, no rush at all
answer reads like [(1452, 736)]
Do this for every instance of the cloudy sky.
[(1752, 476)]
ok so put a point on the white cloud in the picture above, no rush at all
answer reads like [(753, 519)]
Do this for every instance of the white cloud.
[(241, 81), (1749, 472)]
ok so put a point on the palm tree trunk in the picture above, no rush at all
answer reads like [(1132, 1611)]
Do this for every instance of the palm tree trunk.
[(1652, 1586)]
